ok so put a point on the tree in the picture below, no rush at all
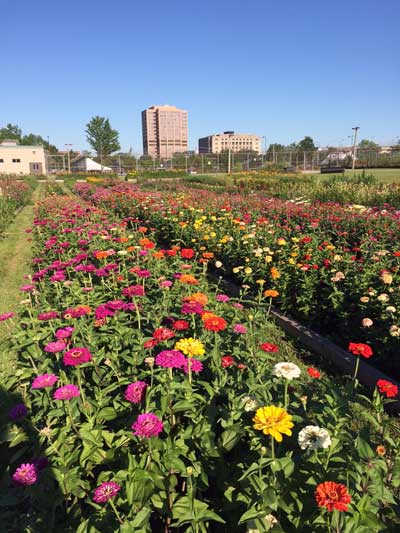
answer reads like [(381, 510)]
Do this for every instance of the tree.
[(101, 137), (10, 131), (306, 145), (365, 144), (33, 140)]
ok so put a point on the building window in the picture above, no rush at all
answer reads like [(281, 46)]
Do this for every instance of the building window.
[(1, 160), (16, 160), (35, 166)]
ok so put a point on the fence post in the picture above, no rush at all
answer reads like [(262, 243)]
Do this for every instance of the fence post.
[(304, 160)]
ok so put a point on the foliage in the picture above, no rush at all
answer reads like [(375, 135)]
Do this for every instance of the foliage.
[(101, 137)]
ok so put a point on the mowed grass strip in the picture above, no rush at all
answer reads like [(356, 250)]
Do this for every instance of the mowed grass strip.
[(15, 263)]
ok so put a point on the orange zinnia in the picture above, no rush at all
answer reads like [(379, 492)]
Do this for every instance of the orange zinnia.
[(158, 255), (332, 496), (188, 279), (271, 293), (198, 297), (208, 255), (214, 323), (147, 243), (101, 254), (275, 274)]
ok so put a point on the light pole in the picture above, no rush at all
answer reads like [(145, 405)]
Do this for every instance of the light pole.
[(229, 153), (69, 157), (355, 129)]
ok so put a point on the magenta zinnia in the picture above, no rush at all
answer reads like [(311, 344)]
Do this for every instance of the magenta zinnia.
[(106, 491), (135, 392), (196, 366), (77, 356), (170, 359), (25, 475), (54, 347), (43, 381), (147, 425), (67, 392)]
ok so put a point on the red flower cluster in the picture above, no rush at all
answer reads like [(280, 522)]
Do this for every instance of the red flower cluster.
[(332, 496), (269, 347), (313, 372), (386, 387)]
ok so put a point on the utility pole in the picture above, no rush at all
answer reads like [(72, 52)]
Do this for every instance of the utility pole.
[(69, 157), (355, 129)]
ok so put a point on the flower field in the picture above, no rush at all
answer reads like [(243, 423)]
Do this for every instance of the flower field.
[(13, 194), (146, 399), (335, 267)]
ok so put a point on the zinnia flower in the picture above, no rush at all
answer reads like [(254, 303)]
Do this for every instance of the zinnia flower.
[(64, 333), (386, 387), (269, 347), (147, 425), (180, 325), (54, 347), (286, 370), (274, 421), (239, 328), (313, 437), (26, 474), (227, 361), (77, 356), (360, 349), (170, 359), (196, 366), (106, 491), (67, 392), (214, 322), (332, 496), (163, 334), (135, 392), (43, 381), (190, 347), (313, 372)]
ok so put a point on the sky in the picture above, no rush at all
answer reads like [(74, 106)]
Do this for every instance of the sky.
[(279, 70)]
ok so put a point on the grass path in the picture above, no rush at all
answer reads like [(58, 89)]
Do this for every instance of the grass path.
[(15, 263)]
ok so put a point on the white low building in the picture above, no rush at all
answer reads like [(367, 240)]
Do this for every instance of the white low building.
[(18, 159), (86, 164)]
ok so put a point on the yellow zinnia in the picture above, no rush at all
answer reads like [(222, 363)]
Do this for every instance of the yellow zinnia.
[(273, 421), (190, 347)]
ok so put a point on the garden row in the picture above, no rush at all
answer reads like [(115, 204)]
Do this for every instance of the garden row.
[(145, 399), (13, 194), (334, 267)]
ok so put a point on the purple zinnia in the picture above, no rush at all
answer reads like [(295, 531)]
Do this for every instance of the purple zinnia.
[(190, 308), (147, 425), (135, 392), (43, 381), (106, 491), (67, 392), (170, 359), (26, 474), (18, 411)]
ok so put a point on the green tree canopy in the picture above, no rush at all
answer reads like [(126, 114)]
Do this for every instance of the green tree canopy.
[(10, 131), (101, 137), (306, 145), (367, 145)]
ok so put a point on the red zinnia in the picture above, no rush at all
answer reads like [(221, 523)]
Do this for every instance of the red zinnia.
[(163, 334), (180, 325), (332, 496), (388, 388), (358, 348), (227, 360), (187, 253), (313, 372), (269, 348)]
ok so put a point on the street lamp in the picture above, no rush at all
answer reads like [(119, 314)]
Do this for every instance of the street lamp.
[(69, 157)]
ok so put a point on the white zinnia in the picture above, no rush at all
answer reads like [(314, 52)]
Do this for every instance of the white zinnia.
[(314, 437), (286, 370), (249, 403)]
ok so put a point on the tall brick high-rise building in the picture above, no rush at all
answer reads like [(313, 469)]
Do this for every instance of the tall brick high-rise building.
[(165, 131)]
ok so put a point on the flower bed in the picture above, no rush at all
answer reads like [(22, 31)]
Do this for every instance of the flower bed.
[(146, 400), (334, 267), (13, 194)]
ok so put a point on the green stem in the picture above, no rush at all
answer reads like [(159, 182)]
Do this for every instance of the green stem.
[(115, 511)]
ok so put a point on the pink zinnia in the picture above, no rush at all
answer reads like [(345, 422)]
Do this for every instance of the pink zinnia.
[(26, 474), (54, 347), (106, 491), (170, 359), (27, 288), (147, 425), (43, 381), (166, 284), (222, 298), (189, 308), (239, 328), (67, 392), (135, 392), (64, 333), (133, 290), (196, 366), (48, 315), (76, 356), (6, 316)]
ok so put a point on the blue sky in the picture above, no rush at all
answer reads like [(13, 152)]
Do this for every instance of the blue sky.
[(255, 66)]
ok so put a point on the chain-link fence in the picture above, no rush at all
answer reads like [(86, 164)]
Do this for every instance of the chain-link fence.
[(289, 160)]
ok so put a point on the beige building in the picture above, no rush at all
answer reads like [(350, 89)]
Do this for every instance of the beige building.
[(236, 142), (20, 159), (165, 131)]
